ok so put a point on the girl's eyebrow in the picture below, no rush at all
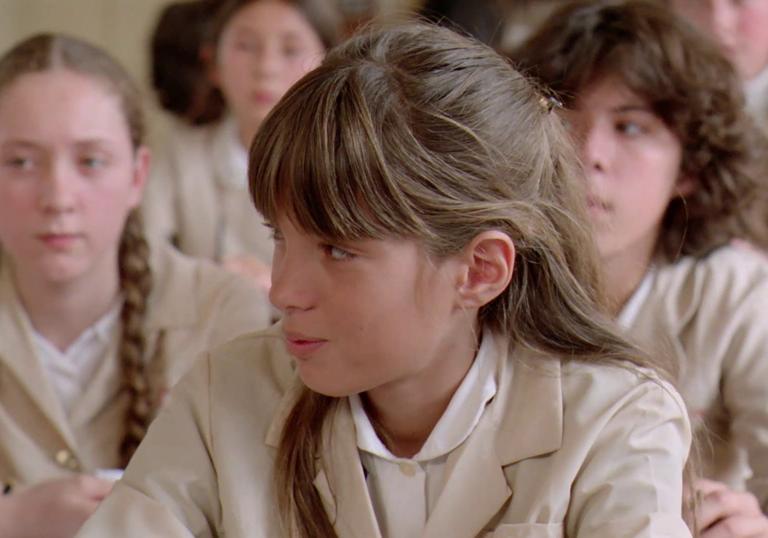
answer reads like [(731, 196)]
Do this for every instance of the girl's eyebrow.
[(21, 143), (632, 108)]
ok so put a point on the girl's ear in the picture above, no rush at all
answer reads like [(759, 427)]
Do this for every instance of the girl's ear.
[(686, 185), (141, 162), (489, 261)]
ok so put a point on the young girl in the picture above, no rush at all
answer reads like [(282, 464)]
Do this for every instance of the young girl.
[(95, 326), (453, 376), (674, 173), (198, 194)]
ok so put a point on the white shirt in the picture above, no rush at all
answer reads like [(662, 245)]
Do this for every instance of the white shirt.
[(628, 314), (71, 371), (404, 490), (756, 91)]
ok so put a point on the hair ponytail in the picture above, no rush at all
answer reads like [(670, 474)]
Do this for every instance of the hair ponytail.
[(301, 508)]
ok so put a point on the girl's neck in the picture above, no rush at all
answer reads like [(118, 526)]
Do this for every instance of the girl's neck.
[(623, 272), (245, 134), (404, 413), (60, 312)]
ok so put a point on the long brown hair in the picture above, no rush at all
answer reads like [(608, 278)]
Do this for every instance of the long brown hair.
[(46, 52), (416, 132), (690, 86)]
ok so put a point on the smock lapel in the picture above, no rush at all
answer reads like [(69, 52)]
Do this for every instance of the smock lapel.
[(476, 487), (19, 358), (340, 480)]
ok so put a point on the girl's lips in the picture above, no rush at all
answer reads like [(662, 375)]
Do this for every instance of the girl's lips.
[(302, 346), (302, 349), (596, 206), (263, 98), (59, 241)]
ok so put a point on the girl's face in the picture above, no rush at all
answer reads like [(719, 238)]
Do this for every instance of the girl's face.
[(372, 314), (265, 48), (739, 26), (632, 161), (68, 175)]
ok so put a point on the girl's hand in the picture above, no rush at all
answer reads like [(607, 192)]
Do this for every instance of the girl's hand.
[(725, 513), (54, 509), (252, 268)]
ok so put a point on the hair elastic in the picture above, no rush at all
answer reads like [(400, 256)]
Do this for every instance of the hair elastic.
[(549, 102)]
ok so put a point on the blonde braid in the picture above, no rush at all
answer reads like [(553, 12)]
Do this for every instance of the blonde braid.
[(135, 283)]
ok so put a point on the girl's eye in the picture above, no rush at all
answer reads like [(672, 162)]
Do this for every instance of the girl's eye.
[(337, 254), (247, 46), (93, 162), (20, 163), (291, 51), (629, 128), (275, 234)]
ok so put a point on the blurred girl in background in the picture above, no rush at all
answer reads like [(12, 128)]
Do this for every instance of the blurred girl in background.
[(96, 325)]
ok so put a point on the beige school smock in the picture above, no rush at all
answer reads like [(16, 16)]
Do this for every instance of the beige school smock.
[(197, 196), (562, 450), (756, 92), (194, 305), (709, 315)]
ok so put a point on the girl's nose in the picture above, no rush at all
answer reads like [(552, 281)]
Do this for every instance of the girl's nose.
[(59, 189), (596, 149), (292, 283)]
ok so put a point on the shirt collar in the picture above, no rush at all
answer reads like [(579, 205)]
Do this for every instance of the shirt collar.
[(101, 333), (631, 309)]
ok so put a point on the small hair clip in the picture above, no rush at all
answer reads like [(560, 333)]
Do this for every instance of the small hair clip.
[(549, 102)]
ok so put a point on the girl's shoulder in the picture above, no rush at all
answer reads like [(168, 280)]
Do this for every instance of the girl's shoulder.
[(189, 291), (186, 151), (246, 382), (258, 359), (599, 383), (736, 262), (591, 390), (716, 283)]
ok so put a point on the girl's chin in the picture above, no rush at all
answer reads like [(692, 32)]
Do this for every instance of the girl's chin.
[(326, 385)]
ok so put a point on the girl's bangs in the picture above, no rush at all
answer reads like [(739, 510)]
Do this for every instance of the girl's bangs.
[(318, 160)]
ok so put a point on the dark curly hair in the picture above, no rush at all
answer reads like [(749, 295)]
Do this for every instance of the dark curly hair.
[(690, 86)]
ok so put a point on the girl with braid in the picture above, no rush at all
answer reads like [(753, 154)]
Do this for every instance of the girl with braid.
[(442, 368), (96, 324)]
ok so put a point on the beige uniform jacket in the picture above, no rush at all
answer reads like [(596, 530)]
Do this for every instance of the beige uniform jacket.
[(562, 450), (193, 305), (710, 315), (757, 99), (198, 199)]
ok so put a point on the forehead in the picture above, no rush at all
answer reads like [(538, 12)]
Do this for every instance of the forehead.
[(58, 105), (609, 92), (270, 17)]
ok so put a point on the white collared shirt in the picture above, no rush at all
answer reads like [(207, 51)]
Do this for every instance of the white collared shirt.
[(631, 309), (404, 490), (70, 371)]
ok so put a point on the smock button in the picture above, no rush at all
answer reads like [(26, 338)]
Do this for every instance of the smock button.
[(66, 459), (407, 469)]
